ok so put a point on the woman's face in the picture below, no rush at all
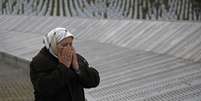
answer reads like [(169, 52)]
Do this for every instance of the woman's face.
[(66, 42)]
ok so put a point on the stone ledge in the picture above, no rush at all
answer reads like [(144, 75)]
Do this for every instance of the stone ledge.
[(14, 60)]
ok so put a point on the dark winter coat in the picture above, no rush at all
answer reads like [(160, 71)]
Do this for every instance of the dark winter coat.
[(52, 81)]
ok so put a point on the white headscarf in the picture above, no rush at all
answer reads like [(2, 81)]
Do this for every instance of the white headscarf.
[(51, 39)]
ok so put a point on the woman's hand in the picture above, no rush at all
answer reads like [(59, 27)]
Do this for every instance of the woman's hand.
[(65, 55), (75, 61)]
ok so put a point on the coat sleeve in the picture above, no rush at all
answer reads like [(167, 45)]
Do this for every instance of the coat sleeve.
[(49, 81), (88, 76)]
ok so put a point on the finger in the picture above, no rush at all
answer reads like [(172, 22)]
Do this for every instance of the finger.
[(67, 56), (64, 56), (68, 52), (74, 55), (60, 50), (71, 56), (73, 49), (74, 58), (64, 52)]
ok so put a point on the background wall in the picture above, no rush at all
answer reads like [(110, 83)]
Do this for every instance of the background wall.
[(115, 9)]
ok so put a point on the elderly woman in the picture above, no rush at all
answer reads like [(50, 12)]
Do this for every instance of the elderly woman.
[(58, 73)]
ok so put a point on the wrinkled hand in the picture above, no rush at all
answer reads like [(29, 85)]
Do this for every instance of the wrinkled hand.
[(75, 64), (65, 55)]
